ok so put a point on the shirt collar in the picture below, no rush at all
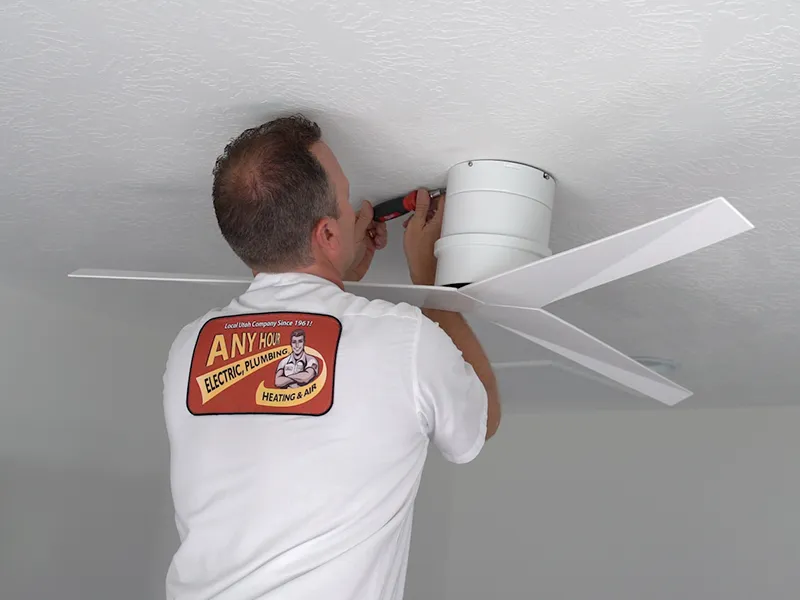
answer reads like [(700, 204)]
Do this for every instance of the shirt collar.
[(264, 280)]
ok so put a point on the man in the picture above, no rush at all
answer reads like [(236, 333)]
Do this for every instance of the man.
[(308, 492), (298, 368)]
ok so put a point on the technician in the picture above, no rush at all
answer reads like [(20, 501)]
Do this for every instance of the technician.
[(314, 499)]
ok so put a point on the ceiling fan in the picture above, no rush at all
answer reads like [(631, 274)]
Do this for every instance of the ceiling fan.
[(494, 262)]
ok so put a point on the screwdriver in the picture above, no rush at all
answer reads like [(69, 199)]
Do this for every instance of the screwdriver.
[(397, 207)]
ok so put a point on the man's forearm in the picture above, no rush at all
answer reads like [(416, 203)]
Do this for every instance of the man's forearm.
[(303, 377), (455, 326), (282, 381)]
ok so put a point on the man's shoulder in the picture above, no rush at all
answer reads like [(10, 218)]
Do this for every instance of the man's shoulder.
[(381, 309), (379, 316), (187, 336)]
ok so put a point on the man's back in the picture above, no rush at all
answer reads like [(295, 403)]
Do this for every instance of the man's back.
[(308, 490)]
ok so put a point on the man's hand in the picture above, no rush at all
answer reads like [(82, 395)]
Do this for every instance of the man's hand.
[(370, 236), (423, 228)]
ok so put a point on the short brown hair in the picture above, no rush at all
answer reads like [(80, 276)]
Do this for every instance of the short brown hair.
[(270, 192)]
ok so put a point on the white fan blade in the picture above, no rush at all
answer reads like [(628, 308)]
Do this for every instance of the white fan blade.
[(424, 296), (565, 339), (537, 284), (443, 298), (517, 364), (153, 276)]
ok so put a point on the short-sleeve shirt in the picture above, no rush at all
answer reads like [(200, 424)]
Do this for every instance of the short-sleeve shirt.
[(308, 492), (295, 364)]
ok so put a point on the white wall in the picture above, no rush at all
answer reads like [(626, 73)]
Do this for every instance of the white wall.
[(84, 499), (607, 505), (701, 504)]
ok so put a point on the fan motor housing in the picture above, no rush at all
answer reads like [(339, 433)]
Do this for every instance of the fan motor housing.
[(496, 218)]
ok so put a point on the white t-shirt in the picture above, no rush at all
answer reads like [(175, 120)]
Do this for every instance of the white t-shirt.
[(308, 492), (292, 365)]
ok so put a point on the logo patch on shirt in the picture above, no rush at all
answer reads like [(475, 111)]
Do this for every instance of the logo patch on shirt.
[(265, 363)]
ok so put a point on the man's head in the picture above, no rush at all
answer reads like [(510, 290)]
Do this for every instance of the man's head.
[(282, 200), (298, 341)]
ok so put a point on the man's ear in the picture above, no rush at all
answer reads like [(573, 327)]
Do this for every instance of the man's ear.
[(326, 236)]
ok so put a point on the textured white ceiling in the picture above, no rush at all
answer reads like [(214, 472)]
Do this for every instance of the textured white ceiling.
[(113, 111)]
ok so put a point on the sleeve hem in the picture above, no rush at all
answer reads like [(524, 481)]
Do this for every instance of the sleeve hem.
[(473, 452)]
